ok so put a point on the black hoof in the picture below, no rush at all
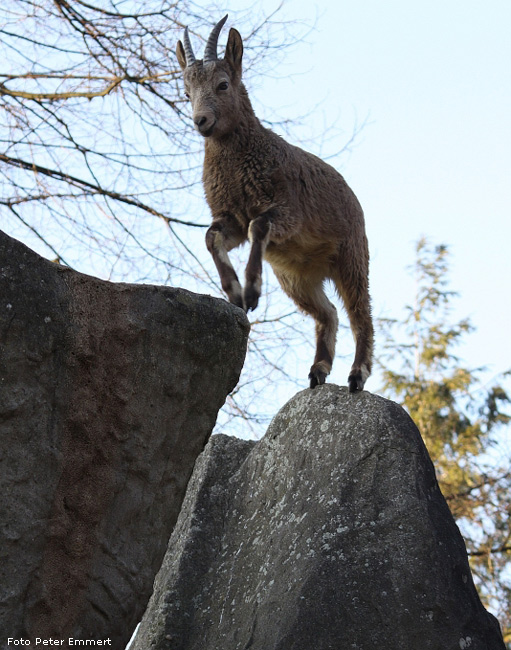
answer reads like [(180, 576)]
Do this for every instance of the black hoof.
[(317, 378), (250, 299), (355, 383)]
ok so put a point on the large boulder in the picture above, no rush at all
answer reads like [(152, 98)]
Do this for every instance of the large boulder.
[(330, 533), (108, 393)]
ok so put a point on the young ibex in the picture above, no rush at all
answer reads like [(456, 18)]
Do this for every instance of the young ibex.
[(296, 210)]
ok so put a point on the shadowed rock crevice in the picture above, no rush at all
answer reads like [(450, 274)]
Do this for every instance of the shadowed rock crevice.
[(108, 393), (331, 532)]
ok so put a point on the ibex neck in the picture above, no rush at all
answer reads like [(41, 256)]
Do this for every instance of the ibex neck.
[(247, 127)]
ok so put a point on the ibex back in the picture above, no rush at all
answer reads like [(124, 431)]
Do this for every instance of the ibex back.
[(296, 210)]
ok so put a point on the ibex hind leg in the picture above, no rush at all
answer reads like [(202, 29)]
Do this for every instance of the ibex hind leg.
[(311, 299), (325, 315), (355, 295)]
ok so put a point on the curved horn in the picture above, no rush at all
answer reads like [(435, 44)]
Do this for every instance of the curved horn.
[(190, 56), (210, 51)]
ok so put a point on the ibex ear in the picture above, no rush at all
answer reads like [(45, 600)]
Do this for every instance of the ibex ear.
[(181, 57), (234, 50)]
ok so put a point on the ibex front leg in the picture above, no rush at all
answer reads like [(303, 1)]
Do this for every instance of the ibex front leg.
[(259, 236), (223, 235)]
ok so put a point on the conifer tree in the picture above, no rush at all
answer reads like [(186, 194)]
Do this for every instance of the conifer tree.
[(460, 421)]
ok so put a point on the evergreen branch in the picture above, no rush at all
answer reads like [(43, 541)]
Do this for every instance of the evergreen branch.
[(490, 551)]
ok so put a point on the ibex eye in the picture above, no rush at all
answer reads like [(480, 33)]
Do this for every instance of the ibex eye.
[(223, 85)]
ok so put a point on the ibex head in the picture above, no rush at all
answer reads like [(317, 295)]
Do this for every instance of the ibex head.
[(212, 84)]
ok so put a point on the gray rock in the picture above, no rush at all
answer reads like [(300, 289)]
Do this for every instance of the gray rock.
[(330, 533), (108, 393)]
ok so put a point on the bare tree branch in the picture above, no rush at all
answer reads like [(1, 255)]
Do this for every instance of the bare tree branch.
[(78, 182)]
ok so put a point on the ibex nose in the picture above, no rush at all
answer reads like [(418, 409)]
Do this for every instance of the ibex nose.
[(204, 123)]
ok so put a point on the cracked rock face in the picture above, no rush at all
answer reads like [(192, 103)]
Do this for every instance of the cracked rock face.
[(108, 393), (330, 532)]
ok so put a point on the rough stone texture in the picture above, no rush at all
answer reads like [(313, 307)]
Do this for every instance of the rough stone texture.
[(108, 393), (331, 532)]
